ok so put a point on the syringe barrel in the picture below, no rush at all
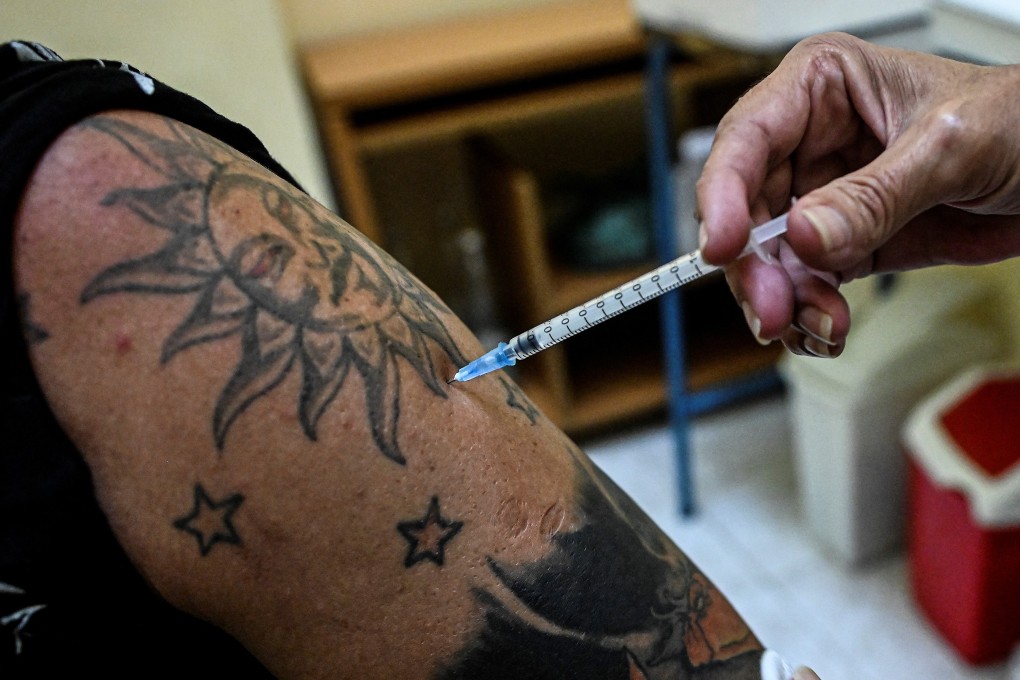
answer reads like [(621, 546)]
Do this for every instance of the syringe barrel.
[(578, 319), (642, 289), (526, 344), (593, 312)]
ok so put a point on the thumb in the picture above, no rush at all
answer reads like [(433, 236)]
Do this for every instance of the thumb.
[(839, 225)]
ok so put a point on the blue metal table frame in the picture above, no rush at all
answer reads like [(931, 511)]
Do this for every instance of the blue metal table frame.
[(684, 404)]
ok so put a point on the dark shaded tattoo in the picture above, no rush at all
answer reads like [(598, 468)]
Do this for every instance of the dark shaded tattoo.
[(614, 598), (427, 537), (211, 522), (516, 399), (34, 333), (303, 295)]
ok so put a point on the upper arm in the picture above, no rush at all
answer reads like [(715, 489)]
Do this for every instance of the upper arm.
[(261, 397)]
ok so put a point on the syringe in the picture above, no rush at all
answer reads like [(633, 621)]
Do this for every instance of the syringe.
[(669, 276)]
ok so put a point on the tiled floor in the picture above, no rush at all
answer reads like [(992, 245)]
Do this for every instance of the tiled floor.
[(748, 536)]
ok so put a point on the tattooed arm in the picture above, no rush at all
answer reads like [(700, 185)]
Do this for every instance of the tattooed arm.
[(260, 395)]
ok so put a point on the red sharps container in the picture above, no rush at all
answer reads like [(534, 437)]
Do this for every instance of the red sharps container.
[(963, 447)]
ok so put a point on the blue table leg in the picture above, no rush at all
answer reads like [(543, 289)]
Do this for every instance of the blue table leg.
[(660, 157)]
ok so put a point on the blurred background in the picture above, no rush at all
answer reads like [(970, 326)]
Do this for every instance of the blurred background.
[(502, 150)]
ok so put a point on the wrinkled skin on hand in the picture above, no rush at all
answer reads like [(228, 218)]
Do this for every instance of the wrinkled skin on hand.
[(898, 160)]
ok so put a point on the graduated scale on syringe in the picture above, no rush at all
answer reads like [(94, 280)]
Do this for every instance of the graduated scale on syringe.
[(669, 276)]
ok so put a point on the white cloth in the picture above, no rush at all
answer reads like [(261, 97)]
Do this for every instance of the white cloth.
[(775, 667)]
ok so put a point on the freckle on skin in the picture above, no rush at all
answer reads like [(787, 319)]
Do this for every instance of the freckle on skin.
[(123, 343)]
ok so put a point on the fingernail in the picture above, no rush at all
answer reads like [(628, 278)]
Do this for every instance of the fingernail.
[(830, 226), (702, 236), (753, 322), (817, 347), (816, 323), (802, 673)]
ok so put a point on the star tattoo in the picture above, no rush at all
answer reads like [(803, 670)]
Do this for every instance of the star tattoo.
[(209, 521), (427, 537)]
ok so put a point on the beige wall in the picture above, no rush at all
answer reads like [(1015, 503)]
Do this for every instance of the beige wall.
[(1004, 279), (234, 55)]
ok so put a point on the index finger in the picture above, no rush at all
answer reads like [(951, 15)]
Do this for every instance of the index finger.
[(757, 134)]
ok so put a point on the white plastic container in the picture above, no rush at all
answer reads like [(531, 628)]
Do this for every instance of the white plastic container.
[(981, 30), (765, 25), (847, 412), (692, 152)]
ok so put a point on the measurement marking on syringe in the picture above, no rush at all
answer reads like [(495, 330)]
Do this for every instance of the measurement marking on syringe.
[(625, 298), (683, 270)]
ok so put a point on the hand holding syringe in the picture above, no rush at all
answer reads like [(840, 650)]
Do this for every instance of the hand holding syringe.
[(669, 276)]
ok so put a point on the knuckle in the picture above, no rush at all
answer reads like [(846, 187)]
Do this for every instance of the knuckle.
[(947, 128), (827, 51), (967, 159), (827, 42)]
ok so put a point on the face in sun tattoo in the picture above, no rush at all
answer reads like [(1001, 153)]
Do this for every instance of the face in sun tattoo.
[(302, 294)]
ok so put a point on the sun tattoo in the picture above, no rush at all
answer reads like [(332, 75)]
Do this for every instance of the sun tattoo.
[(300, 292)]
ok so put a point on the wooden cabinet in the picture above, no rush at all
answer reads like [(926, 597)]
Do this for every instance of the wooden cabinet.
[(474, 125)]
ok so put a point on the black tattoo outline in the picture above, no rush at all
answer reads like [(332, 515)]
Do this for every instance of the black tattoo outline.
[(427, 537), (282, 293), (203, 505), (516, 399)]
